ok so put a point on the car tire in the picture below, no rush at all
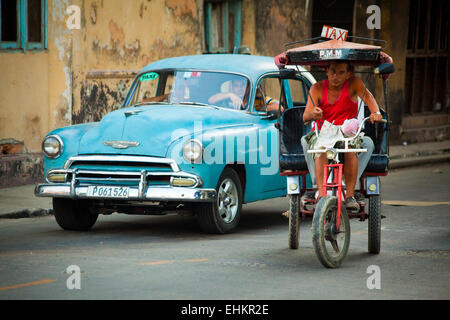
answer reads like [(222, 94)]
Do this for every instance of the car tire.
[(73, 214), (223, 215)]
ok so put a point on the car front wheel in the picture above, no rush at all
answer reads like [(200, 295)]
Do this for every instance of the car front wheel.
[(73, 214), (223, 215)]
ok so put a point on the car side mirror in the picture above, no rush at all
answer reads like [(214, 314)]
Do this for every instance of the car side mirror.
[(288, 74), (385, 68)]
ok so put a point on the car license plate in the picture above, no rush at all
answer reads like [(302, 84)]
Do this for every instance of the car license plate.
[(108, 192)]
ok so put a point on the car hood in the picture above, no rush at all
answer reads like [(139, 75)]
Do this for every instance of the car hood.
[(148, 130)]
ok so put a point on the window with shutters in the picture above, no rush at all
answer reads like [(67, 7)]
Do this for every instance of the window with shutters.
[(23, 24), (223, 25)]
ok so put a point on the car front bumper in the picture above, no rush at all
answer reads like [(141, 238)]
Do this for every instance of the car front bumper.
[(177, 194), (74, 183)]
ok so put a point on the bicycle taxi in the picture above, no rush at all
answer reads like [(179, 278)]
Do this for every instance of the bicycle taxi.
[(330, 223)]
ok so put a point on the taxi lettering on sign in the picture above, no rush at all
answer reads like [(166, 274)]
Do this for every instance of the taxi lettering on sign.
[(334, 33)]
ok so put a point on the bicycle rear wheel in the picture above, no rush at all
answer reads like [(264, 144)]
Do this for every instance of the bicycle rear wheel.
[(294, 221), (330, 246), (374, 228)]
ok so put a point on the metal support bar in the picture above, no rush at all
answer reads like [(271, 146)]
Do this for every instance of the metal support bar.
[(142, 185), (73, 182)]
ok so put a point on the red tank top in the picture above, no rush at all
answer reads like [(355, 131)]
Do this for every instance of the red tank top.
[(343, 108)]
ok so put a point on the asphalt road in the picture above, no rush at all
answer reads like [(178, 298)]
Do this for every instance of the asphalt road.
[(167, 257)]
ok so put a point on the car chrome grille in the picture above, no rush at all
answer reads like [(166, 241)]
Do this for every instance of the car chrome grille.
[(123, 170)]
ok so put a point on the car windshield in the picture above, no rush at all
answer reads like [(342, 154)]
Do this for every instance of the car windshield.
[(226, 90)]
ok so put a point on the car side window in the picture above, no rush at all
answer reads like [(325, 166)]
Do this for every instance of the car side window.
[(169, 84), (298, 92), (268, 91), (147, 86), (153, 87)]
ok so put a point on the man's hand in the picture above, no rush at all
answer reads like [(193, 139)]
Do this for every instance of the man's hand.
[(317, 113), (236, 101), (375, 117)]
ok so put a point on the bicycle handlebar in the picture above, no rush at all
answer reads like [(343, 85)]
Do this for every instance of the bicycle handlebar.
[(346, 140), (314, 124)]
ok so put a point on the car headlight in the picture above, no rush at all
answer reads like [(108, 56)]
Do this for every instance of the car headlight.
[(193, 151), (331, 154), (52, 146)]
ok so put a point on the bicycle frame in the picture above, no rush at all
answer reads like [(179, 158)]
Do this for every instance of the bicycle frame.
[(334, 171), (336, 183)]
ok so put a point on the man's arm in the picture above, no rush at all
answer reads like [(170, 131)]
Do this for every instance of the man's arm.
[(368, 99), (236, 101), (312, 110), (273, 104), (163, 97)]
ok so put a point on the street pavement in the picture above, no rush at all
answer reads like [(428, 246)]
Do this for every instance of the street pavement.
[(156, 258), (20, 202)]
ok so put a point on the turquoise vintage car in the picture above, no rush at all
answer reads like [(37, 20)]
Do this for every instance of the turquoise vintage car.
[(194, 134)]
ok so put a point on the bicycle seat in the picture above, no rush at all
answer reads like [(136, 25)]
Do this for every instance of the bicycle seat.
[(292, 128), (378, 132)]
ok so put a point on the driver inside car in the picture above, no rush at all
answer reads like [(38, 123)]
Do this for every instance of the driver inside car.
[(236, 98)]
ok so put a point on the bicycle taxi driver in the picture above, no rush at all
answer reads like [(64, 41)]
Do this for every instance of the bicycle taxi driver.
[(336, 99)]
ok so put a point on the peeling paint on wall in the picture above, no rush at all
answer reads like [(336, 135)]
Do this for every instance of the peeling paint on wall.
[(61, 37), (117, 49), (99, 97), (93, 13), (183, 9)]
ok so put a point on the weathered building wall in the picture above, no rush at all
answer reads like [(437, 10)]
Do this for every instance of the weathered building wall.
[(35, 90), (279, 22), (118, 37), (86, 72), (394, 30), (23, 97), (249, 25), (395, 19)]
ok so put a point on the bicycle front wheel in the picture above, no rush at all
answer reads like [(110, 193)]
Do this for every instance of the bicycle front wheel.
[(331, 246)]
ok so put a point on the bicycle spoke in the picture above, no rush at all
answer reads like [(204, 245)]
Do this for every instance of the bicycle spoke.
[(335, 246)]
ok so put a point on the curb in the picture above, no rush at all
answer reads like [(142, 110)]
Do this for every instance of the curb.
[(396, 163), (418, 160), (27, 213)]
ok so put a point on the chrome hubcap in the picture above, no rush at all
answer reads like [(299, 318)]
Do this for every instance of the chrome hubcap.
[(227, 200)]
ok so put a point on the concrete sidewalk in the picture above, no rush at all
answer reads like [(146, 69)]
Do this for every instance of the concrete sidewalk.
[(419, 154), (20, 202)]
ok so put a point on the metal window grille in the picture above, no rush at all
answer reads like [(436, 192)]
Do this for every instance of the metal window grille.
[(427, 59)]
